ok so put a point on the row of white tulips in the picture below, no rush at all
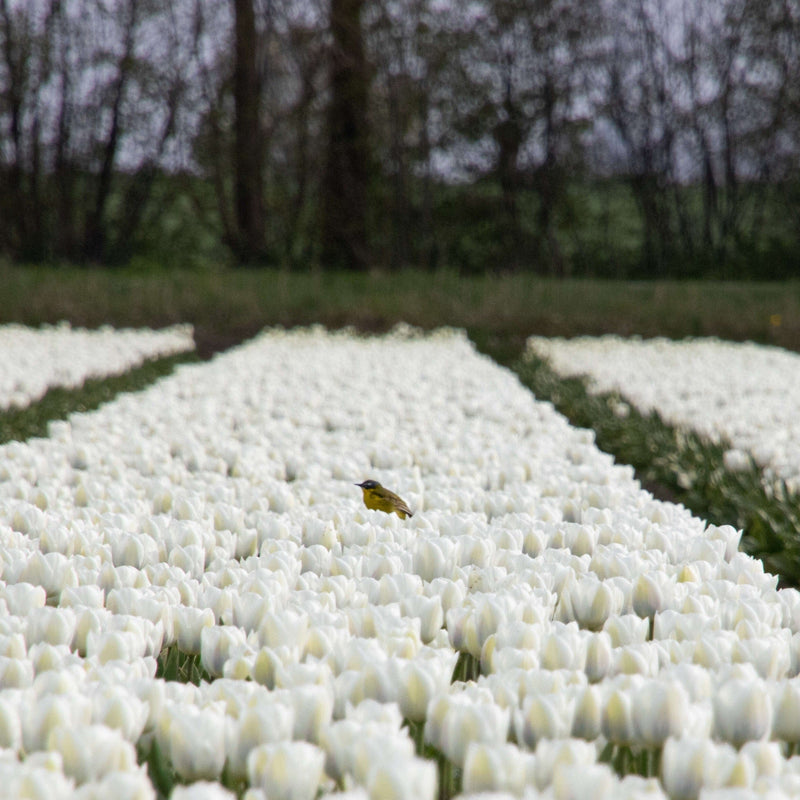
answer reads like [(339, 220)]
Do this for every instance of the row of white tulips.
[(215, 512), (739, 392), (33, 360)]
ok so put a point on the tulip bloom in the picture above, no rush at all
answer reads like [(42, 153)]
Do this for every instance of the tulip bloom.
[(286, 770), (742, 711)]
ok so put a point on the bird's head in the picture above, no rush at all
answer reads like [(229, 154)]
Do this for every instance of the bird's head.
[(370, 484)]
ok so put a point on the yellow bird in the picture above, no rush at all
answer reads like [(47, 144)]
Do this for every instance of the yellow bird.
[(377, 497)]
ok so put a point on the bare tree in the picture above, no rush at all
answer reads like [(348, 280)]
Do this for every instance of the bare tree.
[(347, 167), (408, 59), (91, 111), (96, 231), (25, 46), (248, 172), (640, 104), (308, 51)]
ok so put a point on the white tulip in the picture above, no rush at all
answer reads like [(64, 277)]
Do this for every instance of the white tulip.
[(48, 713), (286, 770), (496, 768), (201, 790), (52, 571), (545, 716), (91, 752), (193, 740), (21, 597), (313, 709), (118, 708), (589, 602), (52, 625), (587, 718), (16, 672), (463, 722), (786, 721), (220, 601), (682, 626), (595, 780), (430, 613), (84, 596), (341, 741), (617, 722), (150, 634), (451, 592), (378, 744), (130, 785), (115, 645), (189, 626), (626, 629), (552, 755), (742, 711), (264, 723), (286, 628), (565, 648), (39, 777), (651, 593), (219, 643), (418, 682), (10, 725), (412, 779), (143, 604), (714, 649), (769, 655), (249, 608), (660, 710), (691, 766), (599, 656), (13, 646), (462, 629), (727, 534), (766, 758), (638, 659)]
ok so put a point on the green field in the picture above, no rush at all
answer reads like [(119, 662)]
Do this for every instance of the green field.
[(227, 306)]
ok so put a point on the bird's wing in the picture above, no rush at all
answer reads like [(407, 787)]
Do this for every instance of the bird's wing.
[(398, 501), (404, 508)]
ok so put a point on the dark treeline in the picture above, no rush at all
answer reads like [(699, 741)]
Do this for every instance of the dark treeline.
[(627, 138)]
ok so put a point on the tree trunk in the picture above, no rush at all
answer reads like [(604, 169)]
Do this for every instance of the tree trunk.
[(14, 200), (96, 234), (248, 179), (344, 191)]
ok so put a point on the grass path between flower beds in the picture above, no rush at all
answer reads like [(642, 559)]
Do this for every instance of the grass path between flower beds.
[(674, 464)]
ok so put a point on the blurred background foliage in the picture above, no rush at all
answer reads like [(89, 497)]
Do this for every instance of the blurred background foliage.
[(630, 139)]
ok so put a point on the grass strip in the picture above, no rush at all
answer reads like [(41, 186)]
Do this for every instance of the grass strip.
[(227, 306), (58, 403)]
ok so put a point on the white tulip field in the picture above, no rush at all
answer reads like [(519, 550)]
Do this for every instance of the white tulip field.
[(33, 360), (195, 603), (741, 393)]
